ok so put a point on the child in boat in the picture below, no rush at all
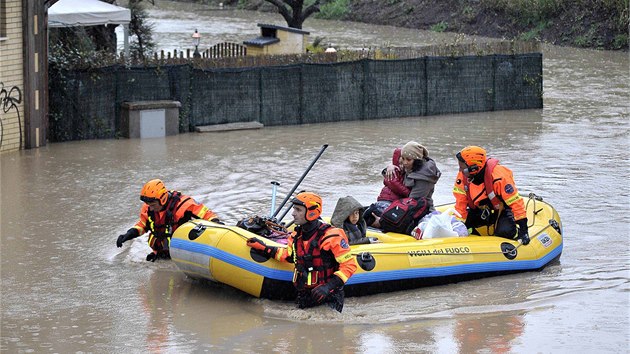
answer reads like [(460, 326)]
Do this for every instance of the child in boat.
[(394, 188), (348, 215)]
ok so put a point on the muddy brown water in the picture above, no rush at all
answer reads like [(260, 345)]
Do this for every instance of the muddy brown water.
[(65, 287)]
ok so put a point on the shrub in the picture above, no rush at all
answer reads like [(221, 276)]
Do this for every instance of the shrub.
[(334, 10), (439, 27)]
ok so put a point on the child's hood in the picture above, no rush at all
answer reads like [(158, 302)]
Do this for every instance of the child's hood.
[(345, 206)]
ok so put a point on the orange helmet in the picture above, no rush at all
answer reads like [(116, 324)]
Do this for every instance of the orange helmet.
[(312, 202), (154, 190), (474, 157)]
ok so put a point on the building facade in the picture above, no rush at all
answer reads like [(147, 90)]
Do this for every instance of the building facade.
[(23, 74), (11, 75)]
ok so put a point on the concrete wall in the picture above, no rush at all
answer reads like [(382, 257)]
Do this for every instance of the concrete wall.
[(12, 78)]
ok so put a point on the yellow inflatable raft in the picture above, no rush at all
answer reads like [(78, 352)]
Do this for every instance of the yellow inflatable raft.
[(203, 249)]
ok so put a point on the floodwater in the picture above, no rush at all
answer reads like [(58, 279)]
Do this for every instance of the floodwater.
[(65, 287), (174, 24)]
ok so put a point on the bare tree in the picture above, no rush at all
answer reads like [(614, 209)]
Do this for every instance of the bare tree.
[(294, 12)]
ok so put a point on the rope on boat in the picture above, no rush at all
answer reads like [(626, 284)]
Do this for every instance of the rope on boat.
[(219, 226), (372, 252), (390, 253), (436, 254), (533, 197), (456, 254)]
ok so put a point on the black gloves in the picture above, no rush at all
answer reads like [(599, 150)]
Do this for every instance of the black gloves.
[(216, 220), (321, 292), (121, 239), (260, 246), (188, 215), (522, 231), (151, 257), (130, 235)]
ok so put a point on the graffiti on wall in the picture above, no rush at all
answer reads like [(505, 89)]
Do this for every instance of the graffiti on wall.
[(10, 100)]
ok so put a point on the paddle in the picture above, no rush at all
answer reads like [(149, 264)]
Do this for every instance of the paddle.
[(321, 151)]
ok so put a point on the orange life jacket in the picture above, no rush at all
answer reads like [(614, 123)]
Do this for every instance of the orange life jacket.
[(313, 266), (163, 226), (488, 183), (496, 179)]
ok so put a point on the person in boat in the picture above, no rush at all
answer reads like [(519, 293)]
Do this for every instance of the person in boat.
[(348, 215), (320, 252), (420, 174), (161, 214), (486, 195), (393, 188)]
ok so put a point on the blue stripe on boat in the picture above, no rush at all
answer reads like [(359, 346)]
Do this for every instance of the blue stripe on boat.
[(229, 258)]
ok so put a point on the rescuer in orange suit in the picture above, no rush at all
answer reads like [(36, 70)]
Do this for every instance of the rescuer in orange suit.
[(320, 252), (485, 195), (161, 214)]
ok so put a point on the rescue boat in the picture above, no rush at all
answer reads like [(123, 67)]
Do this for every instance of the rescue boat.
[(207, 250)]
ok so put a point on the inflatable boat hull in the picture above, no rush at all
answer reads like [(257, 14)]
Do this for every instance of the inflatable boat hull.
[(203, 249)]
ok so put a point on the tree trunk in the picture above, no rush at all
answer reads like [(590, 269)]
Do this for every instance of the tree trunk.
[(293, 11)]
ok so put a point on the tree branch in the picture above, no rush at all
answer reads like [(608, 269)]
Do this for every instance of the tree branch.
[(282, 9), (311, 10)]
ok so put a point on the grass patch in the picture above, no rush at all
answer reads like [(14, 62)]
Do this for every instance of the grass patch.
[(334, 10), (620, 41), (534, 34), (528, 11), (440, 27), (582, 41), (589, 39), (469, 13)]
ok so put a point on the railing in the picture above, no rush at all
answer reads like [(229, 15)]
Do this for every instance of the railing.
[(225, 50), (220, 50)]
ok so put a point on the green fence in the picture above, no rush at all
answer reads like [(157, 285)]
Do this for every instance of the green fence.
[(86, 104)]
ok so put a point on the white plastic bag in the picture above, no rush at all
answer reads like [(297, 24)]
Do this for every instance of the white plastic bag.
[(436, 224), (459, 227), (439, 226), (422, 225)]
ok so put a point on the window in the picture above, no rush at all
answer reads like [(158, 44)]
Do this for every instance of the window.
[(3, 18), (269, 32)]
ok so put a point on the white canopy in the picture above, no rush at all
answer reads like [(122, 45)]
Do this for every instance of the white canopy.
[(70, 13)]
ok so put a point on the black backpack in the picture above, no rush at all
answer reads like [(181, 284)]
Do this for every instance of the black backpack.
[(403, 214)]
